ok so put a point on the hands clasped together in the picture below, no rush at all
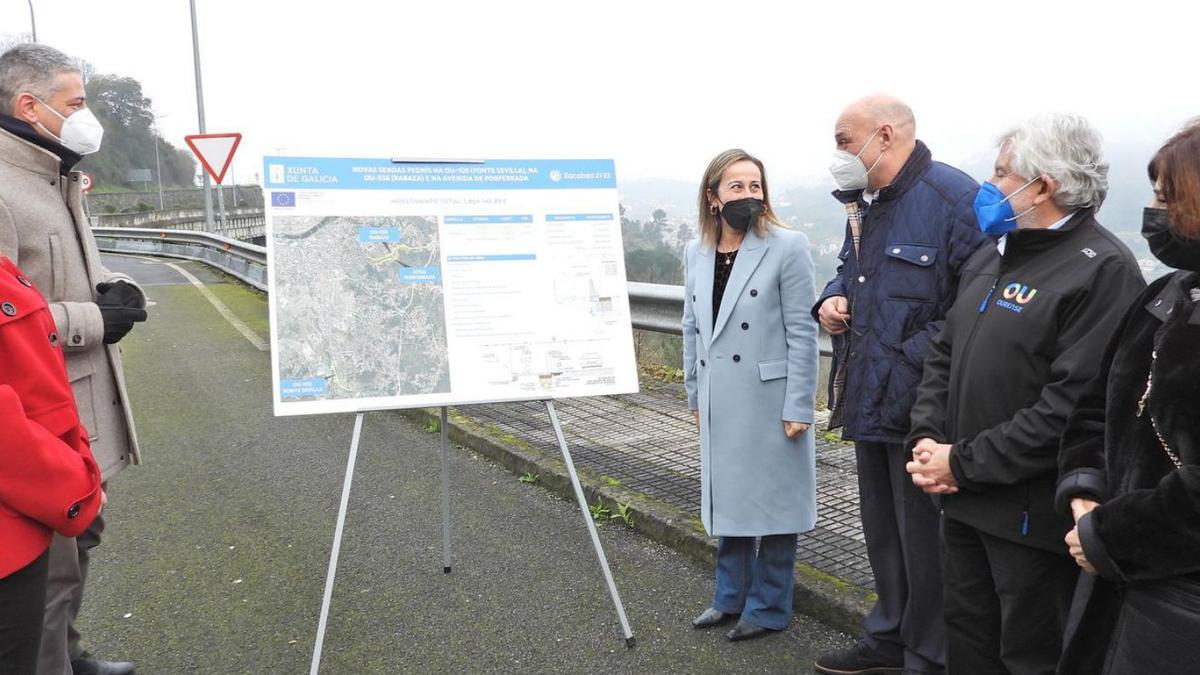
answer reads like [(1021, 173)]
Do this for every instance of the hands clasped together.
[(930, 471), (930, 467)]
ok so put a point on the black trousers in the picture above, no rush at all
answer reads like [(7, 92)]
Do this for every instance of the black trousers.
[(900, 524), (22, 604), (1006, 603)]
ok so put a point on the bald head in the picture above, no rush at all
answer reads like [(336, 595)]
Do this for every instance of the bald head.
[(878, 110), (882, 131)]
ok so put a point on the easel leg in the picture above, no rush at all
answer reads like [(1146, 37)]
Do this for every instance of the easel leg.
[(337, 546), (587, 518), (445, 493)]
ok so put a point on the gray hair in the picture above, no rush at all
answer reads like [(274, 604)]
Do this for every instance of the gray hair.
[(31, 68), (1067, 149)]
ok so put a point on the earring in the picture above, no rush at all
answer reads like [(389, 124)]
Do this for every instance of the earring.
[(712, 208)]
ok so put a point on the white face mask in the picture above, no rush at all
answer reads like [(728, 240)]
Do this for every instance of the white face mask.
[(849, 171), (81, 132)]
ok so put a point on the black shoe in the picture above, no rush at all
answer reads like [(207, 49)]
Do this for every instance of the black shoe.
[(747, 631), (857, 660), (86, 665), (709, 618)]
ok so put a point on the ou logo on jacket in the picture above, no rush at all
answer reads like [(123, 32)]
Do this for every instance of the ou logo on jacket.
[(1019, 292)]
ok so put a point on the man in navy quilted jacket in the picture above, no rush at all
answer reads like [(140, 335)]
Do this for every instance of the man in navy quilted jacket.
[(910, 228)]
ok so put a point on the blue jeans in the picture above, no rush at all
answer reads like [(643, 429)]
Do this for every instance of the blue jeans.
[(756, 585)]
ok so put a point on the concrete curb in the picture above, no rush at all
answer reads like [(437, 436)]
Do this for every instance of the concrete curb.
[(835, 602)]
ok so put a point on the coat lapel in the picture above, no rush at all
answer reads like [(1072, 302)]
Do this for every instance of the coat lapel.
[(703, 288), (749, 256)]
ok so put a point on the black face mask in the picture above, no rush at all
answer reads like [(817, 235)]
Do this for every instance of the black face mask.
[(742, 214), (1172, 249)]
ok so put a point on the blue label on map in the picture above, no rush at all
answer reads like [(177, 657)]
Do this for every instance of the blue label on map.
[(470, 220), (560, 217), (308, 386), (379, 235), (420, 275), (491, 258)]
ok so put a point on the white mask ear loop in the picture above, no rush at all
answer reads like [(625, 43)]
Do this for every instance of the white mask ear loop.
[(1014, 194), (43, 126), (864, 149)]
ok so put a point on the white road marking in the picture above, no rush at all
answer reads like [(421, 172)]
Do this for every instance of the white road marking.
[(242, 328)]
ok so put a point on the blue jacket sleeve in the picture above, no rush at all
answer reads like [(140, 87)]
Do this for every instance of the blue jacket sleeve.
[(835, 285)]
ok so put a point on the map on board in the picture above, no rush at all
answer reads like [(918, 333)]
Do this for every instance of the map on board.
[(361, 315)]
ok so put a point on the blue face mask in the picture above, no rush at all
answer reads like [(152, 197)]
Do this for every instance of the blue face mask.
[(993, 210)]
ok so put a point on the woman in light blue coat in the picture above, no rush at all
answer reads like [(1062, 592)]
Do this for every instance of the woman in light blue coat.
[(750, 364)]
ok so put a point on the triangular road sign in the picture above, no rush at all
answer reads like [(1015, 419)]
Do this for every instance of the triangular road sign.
[(214, 150)]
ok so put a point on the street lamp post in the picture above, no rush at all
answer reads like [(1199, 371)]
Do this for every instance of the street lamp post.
[(32, 21), (208, 201), (158, 164)]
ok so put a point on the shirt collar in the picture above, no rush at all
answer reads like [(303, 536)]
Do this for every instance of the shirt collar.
[(1002, 243)]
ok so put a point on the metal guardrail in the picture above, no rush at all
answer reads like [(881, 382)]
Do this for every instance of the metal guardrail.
[(242, 223), (659, 308), (246, 262)]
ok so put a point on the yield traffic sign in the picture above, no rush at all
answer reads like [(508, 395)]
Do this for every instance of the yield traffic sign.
[(214, 150)]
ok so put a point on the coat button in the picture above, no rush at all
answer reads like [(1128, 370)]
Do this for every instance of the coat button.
[(745, 326), (753, 293), (736, 358), (8, 309), (693, 297), (862, 278), (76, 339), (54, 339), (697, 331), (73, 511), (701, 363), (24, 282), (924, 258), (895, 251)]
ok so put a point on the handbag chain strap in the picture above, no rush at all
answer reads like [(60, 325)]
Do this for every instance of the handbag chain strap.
[(1141, 408)]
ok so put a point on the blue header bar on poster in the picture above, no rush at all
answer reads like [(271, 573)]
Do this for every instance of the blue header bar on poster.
[(331, 173)]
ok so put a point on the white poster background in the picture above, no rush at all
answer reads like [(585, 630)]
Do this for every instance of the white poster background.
[(532, 277)]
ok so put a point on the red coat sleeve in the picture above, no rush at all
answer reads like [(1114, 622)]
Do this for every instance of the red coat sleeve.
[(50, 479)]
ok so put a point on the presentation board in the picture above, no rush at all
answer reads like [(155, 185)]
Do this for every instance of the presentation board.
[(400, 284)]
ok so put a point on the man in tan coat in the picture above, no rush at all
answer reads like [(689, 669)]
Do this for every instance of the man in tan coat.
[(45, 129)]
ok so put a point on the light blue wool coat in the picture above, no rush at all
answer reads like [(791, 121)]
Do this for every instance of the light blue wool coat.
[(747, 374)]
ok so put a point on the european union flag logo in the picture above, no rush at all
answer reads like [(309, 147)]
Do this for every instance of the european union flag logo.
[(283, 199)]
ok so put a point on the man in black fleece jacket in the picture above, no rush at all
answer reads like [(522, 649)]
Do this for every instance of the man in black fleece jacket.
[(1027, 331)]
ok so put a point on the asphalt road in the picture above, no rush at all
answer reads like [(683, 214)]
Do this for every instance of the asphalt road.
[(216, 552)]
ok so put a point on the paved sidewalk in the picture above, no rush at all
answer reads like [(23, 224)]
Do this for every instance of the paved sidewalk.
[(647, 442), (215, 555)]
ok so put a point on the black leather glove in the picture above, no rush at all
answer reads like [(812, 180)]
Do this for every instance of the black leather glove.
[(121, 306)]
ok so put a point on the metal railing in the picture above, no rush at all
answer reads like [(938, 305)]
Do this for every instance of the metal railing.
[(244, 223), (659, 308), (246, 262)]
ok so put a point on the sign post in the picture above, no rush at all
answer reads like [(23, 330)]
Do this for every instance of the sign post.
[(215, 150)]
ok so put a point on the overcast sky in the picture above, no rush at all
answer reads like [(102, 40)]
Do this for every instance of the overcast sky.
[(659, 86)]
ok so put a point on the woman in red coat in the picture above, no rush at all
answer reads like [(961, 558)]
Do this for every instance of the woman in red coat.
[(48, 479)]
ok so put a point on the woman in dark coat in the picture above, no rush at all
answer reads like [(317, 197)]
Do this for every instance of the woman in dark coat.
[(1130, 460), (49, 481)]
